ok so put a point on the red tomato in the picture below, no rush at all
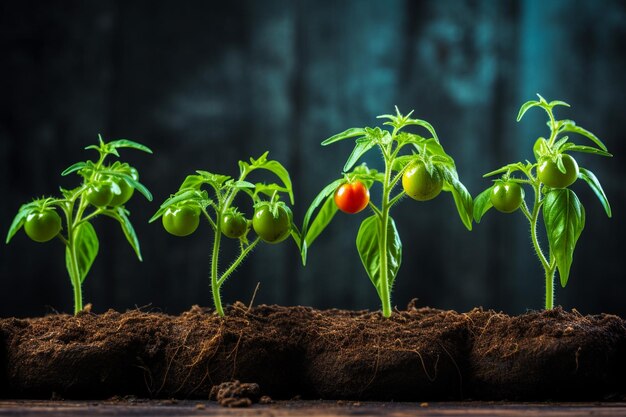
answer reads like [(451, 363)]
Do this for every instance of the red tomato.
[(352, 197)]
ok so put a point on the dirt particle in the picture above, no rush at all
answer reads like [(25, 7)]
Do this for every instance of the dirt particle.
[(266, 399), (235, 394)]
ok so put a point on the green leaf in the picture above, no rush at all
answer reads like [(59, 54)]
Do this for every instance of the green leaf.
[(541, 148), (367, 243), (593, 182), (564, 218), (482, 204), (196, 196), (401, 162), (571, 147), (273, 166), (361, 147), (125, 143), (20, 219), (570, 126), (525, 107), (120, 214), (320, 224), (555, 103), (510, 168), (462, 198), (86, 246), (192, 182), (346, 134), (76, 167), (424, 124)]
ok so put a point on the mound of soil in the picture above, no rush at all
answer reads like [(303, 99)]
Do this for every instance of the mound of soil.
[(416, 355)]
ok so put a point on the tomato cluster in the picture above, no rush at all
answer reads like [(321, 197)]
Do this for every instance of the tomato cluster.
[(101, 193)]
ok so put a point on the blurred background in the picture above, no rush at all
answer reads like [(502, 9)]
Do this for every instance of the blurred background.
[(205, 84)]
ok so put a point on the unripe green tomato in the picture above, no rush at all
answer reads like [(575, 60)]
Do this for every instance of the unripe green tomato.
[(549, 174), (125, 187), (269, 228), (234, 225), (42, 226), (182, 220), (419, 184), (507, 196), (100, 194)]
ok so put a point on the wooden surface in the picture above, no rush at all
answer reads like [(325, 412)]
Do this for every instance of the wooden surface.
[(305, 408)]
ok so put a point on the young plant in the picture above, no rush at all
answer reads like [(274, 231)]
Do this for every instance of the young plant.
[(104, 191), (272, 220), (424, 173), (549, 177)]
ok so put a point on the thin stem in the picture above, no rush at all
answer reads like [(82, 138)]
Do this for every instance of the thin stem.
[(235, 264), (533, 229), (549, 289), (385, 295), (396, 199), (215, 287)]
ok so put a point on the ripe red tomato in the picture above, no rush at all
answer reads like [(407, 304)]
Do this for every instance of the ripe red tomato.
[(352, 197)]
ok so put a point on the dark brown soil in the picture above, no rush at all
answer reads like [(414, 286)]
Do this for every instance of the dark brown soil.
[(417, 355)]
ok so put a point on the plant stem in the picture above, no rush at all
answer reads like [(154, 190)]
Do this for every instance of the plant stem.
[(74, 271), (385, 295), (549, 288), (235, 264), (215, 288)]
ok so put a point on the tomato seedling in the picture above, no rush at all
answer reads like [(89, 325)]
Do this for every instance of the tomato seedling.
[(104, 191), (424, 173), (549, 177), (272, 220)]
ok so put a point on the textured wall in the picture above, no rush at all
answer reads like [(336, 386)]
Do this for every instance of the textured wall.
[(205, 84)]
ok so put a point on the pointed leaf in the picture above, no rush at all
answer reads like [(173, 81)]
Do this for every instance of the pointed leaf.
[(564, 219), (361, 147), (593, 182), (462, 198), (346, 134), (76, 167), (525, 107), (570, 126), (367, 243), (125, 143), (482, 204), (19, 220), (86, 247)]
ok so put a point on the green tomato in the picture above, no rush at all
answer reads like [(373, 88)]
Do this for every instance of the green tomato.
[(127, 190), (234, 225), (100, 194), (419, 184), (181, 220), (269, 228), (507, 196), (42, 226), (549, 174)]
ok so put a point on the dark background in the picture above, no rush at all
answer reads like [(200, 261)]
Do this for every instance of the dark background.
[(205, 84)]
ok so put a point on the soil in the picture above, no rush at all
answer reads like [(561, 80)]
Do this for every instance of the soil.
[(417, 355)]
